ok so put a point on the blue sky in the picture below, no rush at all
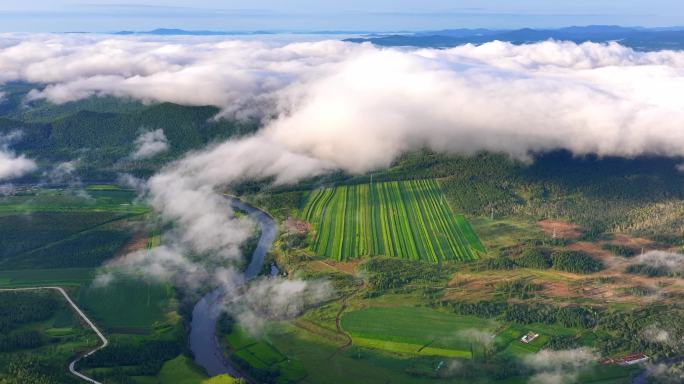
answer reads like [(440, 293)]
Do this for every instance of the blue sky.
[(302, 15)]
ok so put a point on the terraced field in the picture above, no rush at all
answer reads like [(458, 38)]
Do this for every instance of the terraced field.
[(408, 219)]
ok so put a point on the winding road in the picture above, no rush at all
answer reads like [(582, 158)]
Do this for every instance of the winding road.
[(103, 339), (203, 340)]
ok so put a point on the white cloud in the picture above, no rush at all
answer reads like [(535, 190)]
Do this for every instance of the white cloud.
[(150, 144), (558, 367), (486, 339), (11, 164), (670, 261), (64, 172)]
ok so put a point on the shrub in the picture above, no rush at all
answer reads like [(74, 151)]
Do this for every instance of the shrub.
[(575, 262), (534, 258)]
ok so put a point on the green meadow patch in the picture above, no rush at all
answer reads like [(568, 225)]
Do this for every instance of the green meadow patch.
[(43, 277), (414, 330), (263, 358), (128, 305)]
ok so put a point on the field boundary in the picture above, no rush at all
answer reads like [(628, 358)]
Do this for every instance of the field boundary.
[(82, 315)]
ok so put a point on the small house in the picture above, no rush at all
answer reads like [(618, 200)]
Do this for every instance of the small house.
[(530, 337)]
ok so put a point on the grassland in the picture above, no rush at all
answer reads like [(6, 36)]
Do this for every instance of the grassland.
[(128, 305), (263, 359), (413, 330), (408, 219), (42, 277), (181, 370)]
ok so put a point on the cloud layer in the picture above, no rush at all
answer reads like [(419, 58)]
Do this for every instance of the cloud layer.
[(331, 105), (358, 106)]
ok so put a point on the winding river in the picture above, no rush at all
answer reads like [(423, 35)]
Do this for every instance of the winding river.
[(203, 340)]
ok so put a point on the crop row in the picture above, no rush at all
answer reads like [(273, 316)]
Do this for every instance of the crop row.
[(408, 219)]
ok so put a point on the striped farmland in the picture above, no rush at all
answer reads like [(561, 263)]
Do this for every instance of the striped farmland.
[(408, 219)]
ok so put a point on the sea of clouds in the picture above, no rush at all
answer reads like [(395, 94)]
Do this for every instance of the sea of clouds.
[(330, 105)]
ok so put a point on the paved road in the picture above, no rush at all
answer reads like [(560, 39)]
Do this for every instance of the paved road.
[(203, 341), (103, 339)]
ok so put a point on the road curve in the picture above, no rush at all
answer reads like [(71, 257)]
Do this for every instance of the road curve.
[(103, 339), (203, 341)]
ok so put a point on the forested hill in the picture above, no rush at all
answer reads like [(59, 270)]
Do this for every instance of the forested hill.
[(102, 141), (644, 39)]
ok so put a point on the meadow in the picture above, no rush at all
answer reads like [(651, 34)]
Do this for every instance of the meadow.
[(128, 305), (261, 359), (65, 228), (407, 219), (413, 330)]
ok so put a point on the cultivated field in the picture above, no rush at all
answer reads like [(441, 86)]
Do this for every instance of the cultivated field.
[(405, 330), (408, 219)]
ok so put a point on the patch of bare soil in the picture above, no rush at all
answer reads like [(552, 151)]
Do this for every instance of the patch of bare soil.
[(559, 228), (293, 225), (595, 250), (137, 242), (557, 289), (629, 241), (346, 267)]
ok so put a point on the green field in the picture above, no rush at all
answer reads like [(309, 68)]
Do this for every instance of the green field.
[(65, 228), (42, 277), (413, 330), (262, 356), (408, 219), (128, 305)]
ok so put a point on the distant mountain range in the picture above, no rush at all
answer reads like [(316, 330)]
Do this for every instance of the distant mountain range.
[(635, 37), (183, 32), (639, 38)]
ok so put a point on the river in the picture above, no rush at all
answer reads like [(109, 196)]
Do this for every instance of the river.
[(642, 378), (203, 340)]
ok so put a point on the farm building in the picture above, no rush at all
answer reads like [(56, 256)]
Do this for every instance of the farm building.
[(632, 359), (530, 337)]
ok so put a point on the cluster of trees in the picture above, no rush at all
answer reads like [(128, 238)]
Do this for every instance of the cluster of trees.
[(541, 258), (20, 308), (569, 316), (144, 358), (26, 370), (528, 313), (534, 258), (575, 262), (386, 273), (620, 250), (649, 270), (561, 342), (21, 339), (657, 330)]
